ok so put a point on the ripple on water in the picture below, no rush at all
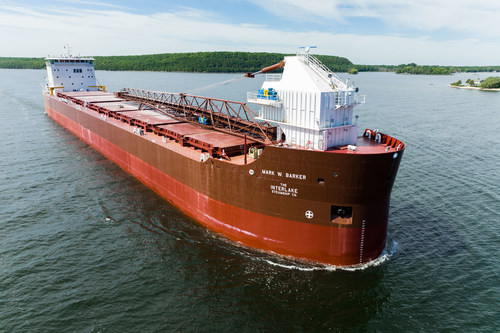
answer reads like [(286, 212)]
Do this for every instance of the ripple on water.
[(86, 247)]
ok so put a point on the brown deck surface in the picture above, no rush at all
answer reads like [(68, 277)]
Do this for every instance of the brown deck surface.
[(209, 137), (149, 117), (185, 129), (98, 98), (220, 140), (119, 106), (365, 146), (192, 135), (77, 94)]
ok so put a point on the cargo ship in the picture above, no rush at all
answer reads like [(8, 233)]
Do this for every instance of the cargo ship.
[(293, 178)]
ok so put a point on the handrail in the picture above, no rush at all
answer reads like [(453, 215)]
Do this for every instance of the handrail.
[(273, 77), (320, 68), (52, 90), (102, 87), (253, 97), (227, 116)]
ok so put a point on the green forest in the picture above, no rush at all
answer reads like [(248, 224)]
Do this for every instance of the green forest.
[(413, 68), (210, 62), (492, 82), (235, 62)]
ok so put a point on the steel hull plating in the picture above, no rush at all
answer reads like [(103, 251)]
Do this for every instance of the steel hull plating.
[(281, 202)]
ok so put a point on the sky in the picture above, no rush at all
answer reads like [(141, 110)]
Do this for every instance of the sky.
[(372, 32)]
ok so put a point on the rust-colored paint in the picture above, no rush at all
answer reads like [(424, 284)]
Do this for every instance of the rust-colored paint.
[(280, 202)]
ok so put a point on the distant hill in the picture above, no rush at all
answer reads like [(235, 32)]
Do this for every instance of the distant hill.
[(211, 62), (425, 69), (235, 62), (22, 63)]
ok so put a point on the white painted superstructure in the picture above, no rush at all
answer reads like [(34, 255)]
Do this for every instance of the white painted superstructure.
[(311, 106), (68, 73)]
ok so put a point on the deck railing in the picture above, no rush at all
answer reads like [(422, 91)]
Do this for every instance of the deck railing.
[(226, 116)]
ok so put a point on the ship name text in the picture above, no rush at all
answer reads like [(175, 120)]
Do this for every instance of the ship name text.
[(284, 174)]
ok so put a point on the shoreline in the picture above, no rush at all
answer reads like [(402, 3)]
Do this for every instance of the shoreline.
[(474, 88)]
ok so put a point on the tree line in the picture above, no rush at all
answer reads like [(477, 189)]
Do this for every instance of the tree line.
[(492, 82), (235, 62), (210, 62), (413, 68), (22, 63)]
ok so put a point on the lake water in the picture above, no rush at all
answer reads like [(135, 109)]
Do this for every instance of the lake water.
[(85, 247)]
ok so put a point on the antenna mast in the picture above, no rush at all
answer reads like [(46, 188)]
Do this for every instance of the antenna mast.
[(307, 49), (68, 49)]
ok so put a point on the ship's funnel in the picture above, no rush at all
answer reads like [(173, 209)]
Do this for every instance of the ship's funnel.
[(274, 67)]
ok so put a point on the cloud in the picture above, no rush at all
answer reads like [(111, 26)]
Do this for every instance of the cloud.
[(298, 10), (478, 17), (31, 32), (91, 3)]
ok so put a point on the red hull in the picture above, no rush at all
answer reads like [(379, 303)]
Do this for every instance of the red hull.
[(339, 245)]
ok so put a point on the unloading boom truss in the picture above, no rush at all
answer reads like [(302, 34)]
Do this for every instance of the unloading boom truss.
[(225, 116)]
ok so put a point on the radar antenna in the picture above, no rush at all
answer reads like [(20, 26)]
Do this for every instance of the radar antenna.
[(307, 49)]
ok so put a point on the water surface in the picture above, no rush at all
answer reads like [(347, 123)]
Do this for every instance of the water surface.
[(85, 247)]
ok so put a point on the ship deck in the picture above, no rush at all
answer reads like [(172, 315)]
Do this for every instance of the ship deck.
[(182, 137), (195, 140), (367, 145)]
